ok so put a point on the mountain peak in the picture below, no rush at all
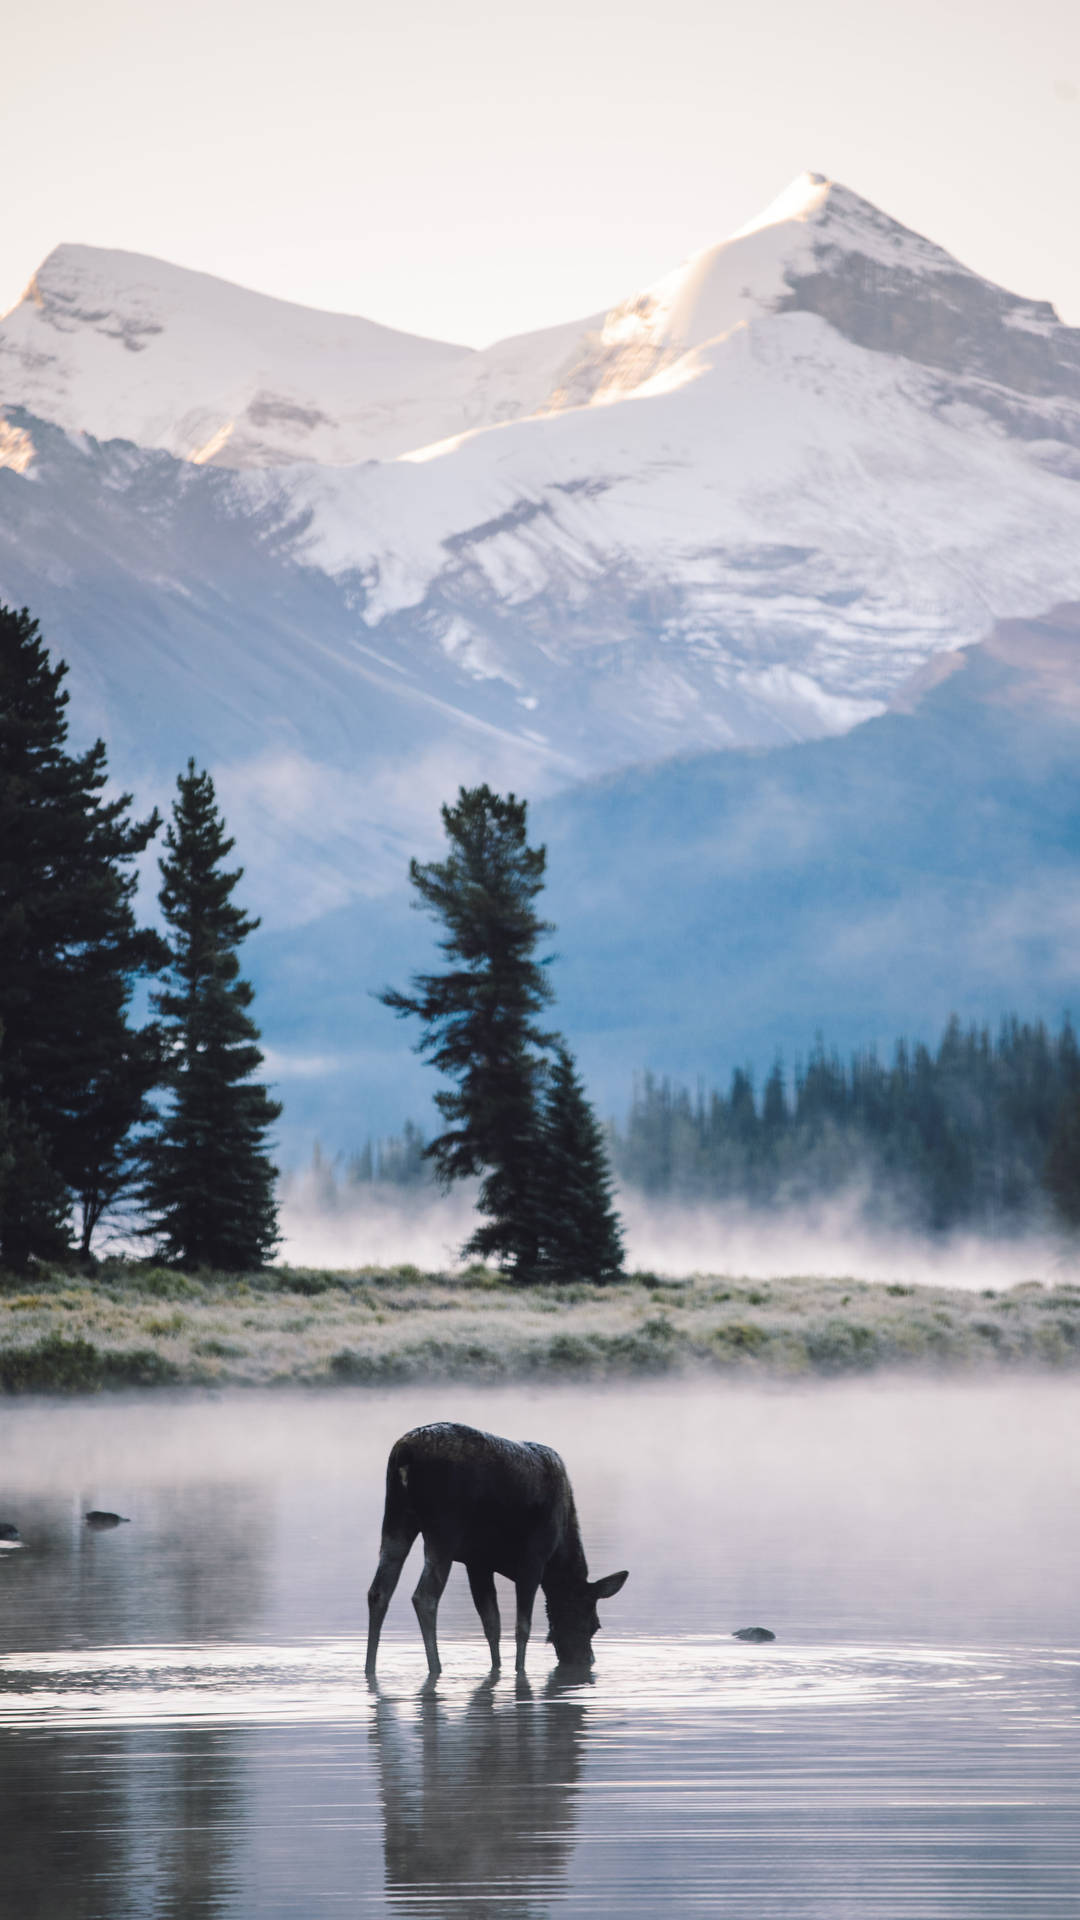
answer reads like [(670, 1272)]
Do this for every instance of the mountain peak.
[(833, 215), (750, 274), (801, 199), (79, 285), (125, 346), (820, 248)]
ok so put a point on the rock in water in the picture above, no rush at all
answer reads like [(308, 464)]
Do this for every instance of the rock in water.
[(99, 1521), (756, 1634), (9, 1531)]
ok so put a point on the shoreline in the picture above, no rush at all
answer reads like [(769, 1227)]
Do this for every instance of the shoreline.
[(138, 1326)]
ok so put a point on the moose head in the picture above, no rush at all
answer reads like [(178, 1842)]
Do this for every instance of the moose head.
[(573, 1619)]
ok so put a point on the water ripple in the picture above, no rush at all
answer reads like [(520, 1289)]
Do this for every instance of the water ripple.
[(705, 1677)]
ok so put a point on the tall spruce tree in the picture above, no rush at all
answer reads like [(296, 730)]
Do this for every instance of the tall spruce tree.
[(480, 1017), (521, 1124), (75, 1074), (580, 1236), (210, 1184)]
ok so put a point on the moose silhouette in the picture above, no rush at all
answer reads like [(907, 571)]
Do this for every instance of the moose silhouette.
[(500, 1506)]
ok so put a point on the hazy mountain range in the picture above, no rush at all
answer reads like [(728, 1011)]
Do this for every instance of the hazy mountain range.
[(348, 567)]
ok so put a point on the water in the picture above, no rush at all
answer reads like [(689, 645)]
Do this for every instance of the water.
[(185, 1729)]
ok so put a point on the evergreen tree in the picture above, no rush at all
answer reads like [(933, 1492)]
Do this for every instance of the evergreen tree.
[(112, 1153), (76, 1076), (1061, 1175), (1061, 1169), (774, 1112), (210, 1185), (34, 1202), (580, 1236), (978, 1130), (480, 1016)]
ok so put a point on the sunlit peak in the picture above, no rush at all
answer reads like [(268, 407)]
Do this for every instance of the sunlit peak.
[(800, 201)]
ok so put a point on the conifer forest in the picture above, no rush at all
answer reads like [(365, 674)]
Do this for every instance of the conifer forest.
[(160, 1127)]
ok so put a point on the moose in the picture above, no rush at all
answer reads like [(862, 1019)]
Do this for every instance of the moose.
[(500, 1506)]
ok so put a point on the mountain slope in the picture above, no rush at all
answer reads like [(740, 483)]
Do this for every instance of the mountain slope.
[(127, 347), (771, 546), (123, 346), (741, 510), (714, 909)]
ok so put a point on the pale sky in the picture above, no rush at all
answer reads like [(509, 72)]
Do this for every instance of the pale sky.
[(474, 168)]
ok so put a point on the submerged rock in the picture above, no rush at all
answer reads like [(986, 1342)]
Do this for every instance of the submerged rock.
[(99, 1520), (756, 1634)]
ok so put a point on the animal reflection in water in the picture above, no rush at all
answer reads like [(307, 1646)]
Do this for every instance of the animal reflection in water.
[(479, 1806), (501, 1506)]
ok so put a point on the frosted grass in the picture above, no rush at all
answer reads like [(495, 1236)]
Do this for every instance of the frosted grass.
[(381, 1327)]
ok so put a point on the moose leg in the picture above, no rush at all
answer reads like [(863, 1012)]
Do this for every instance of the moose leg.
[(392, 1557), (526, 1594), (482, 1588), (426, 1599)]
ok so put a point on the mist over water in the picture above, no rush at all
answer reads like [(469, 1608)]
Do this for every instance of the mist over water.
[(185, 1728), (387, 1225)]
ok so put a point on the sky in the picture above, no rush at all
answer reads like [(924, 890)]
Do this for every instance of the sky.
[(474, 168)]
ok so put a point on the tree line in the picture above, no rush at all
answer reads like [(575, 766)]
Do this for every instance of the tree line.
[(166, 1120), (982, 1130), (97, 1113)]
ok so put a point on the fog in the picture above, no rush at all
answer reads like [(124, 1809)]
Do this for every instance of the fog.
[(185, 1727), (891, 1506), (387, 1225)]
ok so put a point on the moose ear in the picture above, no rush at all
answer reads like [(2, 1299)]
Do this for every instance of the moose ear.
[(603, 1589)]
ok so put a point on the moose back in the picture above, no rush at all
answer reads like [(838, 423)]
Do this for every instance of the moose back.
[(500, 1506)]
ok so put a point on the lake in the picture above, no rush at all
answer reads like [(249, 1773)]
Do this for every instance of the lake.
[(185, 1729)]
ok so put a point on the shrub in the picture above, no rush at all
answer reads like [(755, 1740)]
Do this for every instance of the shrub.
[(288, 1280), (160, 1284), (569, 1352), (58, 1365), (351, 1368), (741, 1334), (841, 1346), (167, 1323)]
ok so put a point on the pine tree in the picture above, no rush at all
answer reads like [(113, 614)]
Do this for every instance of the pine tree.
[(774, 1111), (210, 1185), (1061, 1169), (76, 1076), (34, 1202), (580, 1236), (480, 1016)]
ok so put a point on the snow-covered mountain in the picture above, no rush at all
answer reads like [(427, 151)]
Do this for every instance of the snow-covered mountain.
[(125, 347), (348, 568), (740, 508), (122, 346), (766, 487), (130, 348)]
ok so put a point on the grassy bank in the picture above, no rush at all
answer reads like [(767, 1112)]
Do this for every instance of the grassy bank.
[(138, 1326)]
